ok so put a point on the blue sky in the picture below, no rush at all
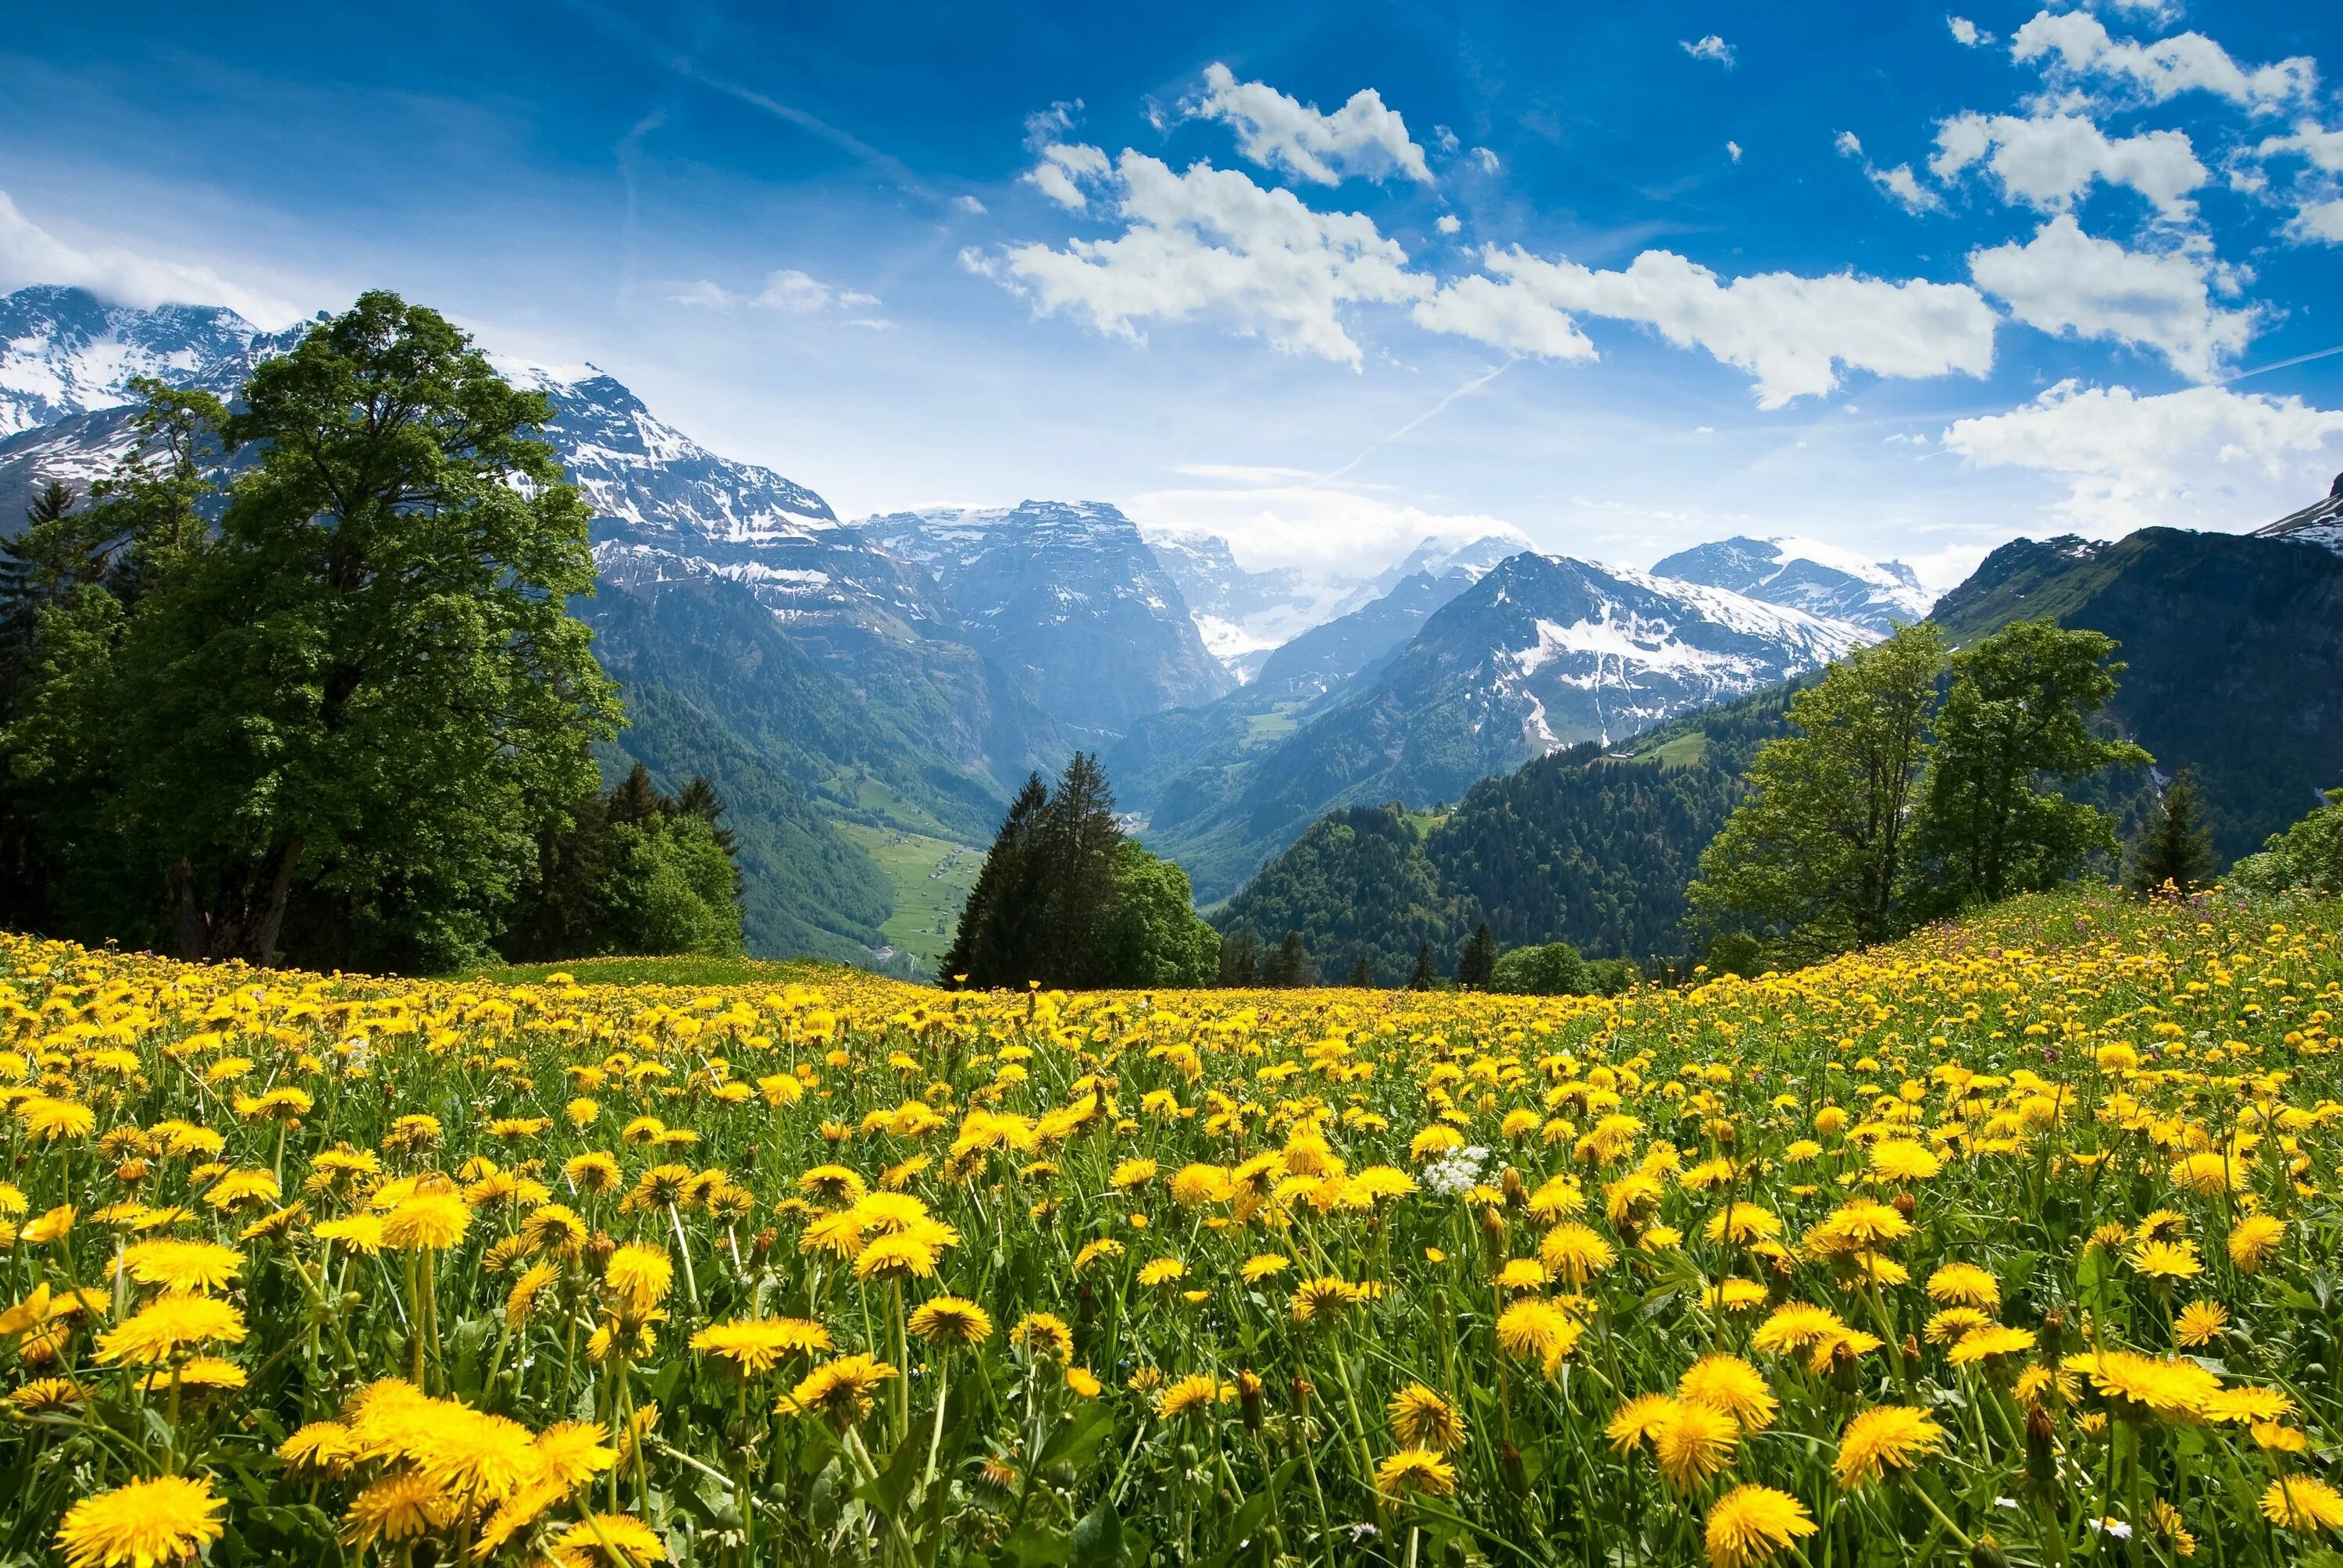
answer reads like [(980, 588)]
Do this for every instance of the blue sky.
[(1906, 280)]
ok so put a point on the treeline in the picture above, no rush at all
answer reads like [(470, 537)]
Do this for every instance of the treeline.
[(1578, 848), (335, 712)]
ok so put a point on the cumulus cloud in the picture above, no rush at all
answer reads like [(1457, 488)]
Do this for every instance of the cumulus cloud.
[(968, 204), (1211, 240), (2205, 456), (2048, 160), (2078, 44), (1361, 137), (1486, 159), (1792, 335), (31, 254), (2319, 220), (2064, 282), (788, 291), (1063, 169), (1448, 222), (1710, 48), (1733, 151), (2319, 211), (1967, 33)]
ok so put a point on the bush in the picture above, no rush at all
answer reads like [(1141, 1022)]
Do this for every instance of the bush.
[(1552, 969), (2308, 855), (1737, 953)]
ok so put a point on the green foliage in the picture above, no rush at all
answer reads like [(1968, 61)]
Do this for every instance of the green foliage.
[(1478, 961), (1289, 963), (1886, 807), (633, 871), (1737, 953), (356, 700), (1239, 959), (2175, 847), (1155, 939), (1816, 855), (2017, 718), (1547, 969), (2234, 649), (1064, 899), (1360, 888), (2307, 855)]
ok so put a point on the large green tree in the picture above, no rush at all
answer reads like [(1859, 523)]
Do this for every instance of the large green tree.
[(2016, 726), (1815, 857), (361, 692)]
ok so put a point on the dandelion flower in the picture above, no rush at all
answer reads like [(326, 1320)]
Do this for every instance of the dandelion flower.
[(1752, 1525), (841, 1391), (1728, 1384), (754, 1346), (2303, 1503), (1695, 1443), (1044, 1334), (608, 1541), (1190, 1395), (639, 1274), (2253, 1239), (172, 1324), (1422, 1418), (2200, 1323), (1415, 1470), (952, 1320), (1886, 1440), (141, 1525), (428, 1222), (1965, 1285)]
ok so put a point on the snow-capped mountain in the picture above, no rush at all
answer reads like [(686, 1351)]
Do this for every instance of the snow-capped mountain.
[(1068, 596), (1244, 615), (2319, 523), (63, 352), (1540, 653), (1802, 573)]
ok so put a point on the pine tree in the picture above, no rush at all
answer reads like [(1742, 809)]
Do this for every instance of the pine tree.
[(1362, 973), (1425, 975), (1290, 965), (634, 799), (2176, 846), (1240, 959), (1479, 959), (984, 950), (699, 799)]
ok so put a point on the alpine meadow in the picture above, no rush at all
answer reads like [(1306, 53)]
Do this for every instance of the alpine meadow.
[(1062, 787)]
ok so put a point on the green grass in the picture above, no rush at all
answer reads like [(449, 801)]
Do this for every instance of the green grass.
[(688, 970), (930, 878), (1684, 751)]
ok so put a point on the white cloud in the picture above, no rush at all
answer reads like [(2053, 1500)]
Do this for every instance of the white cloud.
[(2063, 281), (31, 254), (1899, 184), (2206, 456), (968, 204), (1361, 137), (2323, 149), (1733, 151), (1444, 139), (2319, 220), (1967, 33), (787, 290), (1278, 517), (1792, 335), (2048, 160), (1448, 222), (2164, 69), (1062, 171), (1486, 159), (1043, 127), (1710, 48), (1211, 239)]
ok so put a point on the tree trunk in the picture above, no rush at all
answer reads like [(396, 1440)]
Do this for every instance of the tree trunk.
[(248, 912)]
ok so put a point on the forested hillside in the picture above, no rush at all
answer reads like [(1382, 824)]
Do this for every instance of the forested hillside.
[(1585, 847)]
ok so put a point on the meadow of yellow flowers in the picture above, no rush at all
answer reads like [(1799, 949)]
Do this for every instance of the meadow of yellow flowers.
[(2013, 1242)]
